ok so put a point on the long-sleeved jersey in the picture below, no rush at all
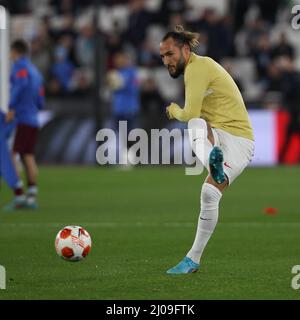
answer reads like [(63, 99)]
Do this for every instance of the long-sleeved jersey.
[(7, 170), (26, 92), (211, 93), (125, 100)]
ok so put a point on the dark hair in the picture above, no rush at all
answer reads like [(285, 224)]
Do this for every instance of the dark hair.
[(20, 46), (183, 37)]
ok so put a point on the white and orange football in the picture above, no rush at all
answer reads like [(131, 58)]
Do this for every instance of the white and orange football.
[(73, 243)]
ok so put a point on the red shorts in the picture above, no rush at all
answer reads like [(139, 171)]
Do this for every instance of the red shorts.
[(25, 140)]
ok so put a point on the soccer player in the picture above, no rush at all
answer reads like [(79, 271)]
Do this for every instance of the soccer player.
[(213, 105), (7, 169), (124, 84), (26, 99)]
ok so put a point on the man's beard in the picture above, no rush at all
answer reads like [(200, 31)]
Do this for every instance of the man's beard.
[(179, 70)]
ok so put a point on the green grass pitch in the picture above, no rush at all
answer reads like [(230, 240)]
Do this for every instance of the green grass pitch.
[(142, 222)]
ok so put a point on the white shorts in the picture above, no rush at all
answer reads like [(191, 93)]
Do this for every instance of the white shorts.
[(237, 152)]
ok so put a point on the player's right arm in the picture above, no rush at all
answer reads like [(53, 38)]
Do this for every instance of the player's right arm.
[(196, 84), (41, 98)]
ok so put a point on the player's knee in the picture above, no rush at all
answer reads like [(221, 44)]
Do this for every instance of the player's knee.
[(210, 196), (197, 123), (206, 194)]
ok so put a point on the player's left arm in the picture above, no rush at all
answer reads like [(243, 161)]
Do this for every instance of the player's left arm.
[(196, 84), (19, 83)]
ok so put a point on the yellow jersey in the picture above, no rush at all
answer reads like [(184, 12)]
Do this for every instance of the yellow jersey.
[(211, 93)]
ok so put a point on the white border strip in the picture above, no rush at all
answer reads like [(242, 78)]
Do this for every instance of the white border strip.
[(2, 18), (4, 59)]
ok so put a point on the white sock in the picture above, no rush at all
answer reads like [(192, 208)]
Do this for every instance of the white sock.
[(19, 184), (32, 190), (208, 218), (20, 198), (32, 194)]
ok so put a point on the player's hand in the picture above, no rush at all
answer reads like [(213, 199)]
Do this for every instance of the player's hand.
[(168, 112), (10, 116), (114, 80)]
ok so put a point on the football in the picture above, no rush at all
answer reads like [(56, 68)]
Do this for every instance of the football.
[(73, 243)]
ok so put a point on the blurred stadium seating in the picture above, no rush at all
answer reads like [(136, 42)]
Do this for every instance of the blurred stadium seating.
[(246, 37)]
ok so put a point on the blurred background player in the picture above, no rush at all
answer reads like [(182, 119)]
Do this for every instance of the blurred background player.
[(214, 105), (26, 99), (291, 95), (123, 82), (7, 169)]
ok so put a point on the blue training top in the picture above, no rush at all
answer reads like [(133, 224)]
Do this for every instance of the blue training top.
[(125, 101), (27, 94)]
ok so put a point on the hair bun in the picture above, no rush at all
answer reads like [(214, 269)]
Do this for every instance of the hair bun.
[(179, 28)]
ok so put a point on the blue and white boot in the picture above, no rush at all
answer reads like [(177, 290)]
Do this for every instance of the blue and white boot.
[(16, 204), (187, 265), (216, 165)]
